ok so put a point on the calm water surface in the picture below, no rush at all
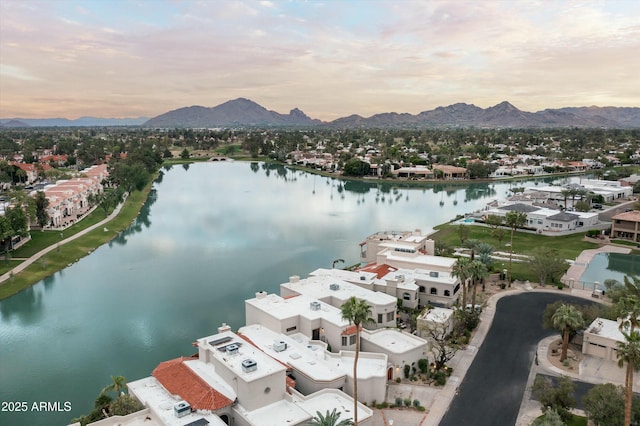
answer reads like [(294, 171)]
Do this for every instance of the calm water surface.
[(210, 236), (606, 266)]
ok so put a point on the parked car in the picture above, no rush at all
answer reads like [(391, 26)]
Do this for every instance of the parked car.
[(597, 206)]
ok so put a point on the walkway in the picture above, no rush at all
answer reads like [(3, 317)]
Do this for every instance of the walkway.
[(19, 268)]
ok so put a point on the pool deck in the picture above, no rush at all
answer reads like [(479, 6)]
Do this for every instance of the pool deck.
[(578, 267)]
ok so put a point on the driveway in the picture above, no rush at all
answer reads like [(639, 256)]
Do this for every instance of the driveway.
[(493, 387)]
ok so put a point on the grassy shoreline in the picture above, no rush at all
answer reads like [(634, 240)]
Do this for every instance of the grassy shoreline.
[(73, 251)]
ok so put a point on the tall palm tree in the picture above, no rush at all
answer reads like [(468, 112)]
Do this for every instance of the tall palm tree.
[(461, 270), (628, 352), (629, 304), (514, 220), (566, 318), (477, 272), (329, 419), (356, 312)]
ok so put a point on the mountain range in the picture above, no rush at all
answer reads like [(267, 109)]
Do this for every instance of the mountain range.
[(243, 112), (64, 122)]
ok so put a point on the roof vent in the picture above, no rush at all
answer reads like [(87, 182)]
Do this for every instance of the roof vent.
[(232, 349), (362, 278), (181, 409), (315, 305), (434, 274), (279, 346), (334, 287), (249, 365)]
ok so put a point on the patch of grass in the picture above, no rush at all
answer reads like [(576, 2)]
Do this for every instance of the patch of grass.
[(568, 246), (71, 252)]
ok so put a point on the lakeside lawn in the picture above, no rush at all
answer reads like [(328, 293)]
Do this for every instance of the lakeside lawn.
[(568, 246), (72, 251)]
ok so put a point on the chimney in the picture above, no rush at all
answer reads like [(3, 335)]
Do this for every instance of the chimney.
[(224, 328)]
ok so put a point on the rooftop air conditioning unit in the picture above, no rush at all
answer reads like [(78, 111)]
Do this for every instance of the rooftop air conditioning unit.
[(279, 346), (434, 274), (249, 365), (232, 349), (334, 287), (315, 306), (362, 278), (181, 409)]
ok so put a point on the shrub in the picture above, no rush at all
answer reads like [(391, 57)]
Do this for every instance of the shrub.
[(398, 401), (398, 379), (407, 402), (423, 365), (416, 403), (407, 370), (440, 377), (420, 408)]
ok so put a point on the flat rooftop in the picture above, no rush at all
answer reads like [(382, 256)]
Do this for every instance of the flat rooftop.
[(393, 341), (320, 287), (423, 260), (606, 328), (296, 306), (218, 343), (279, 413), (437, 314), (308, 359)]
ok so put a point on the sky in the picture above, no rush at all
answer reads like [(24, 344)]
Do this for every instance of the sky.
[(329, 58)]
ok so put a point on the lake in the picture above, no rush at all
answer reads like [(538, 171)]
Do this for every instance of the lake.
[(209, 236)]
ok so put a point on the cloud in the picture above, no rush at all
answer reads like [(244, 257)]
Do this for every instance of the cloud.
[(330, 60)]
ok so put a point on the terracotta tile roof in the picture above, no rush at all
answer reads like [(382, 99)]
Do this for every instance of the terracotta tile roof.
[(178, 379), (350, 330), (380, 270)]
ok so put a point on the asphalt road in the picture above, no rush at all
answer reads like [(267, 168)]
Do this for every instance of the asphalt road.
[(492, 390)]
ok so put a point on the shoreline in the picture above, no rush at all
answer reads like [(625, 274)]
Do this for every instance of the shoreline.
[(56, 257)]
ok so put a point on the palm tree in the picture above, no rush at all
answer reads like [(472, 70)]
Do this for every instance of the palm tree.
[(628, 352), (461, 270), (514, 220), (329, 419), (356, 312), (566, 318), (118, 385), (477, 271), (629, 304)]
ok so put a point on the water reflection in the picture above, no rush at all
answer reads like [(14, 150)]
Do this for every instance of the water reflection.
[(185, 166), (143, 220), (26, 306)]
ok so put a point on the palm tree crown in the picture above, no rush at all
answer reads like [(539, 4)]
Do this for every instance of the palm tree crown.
[(329, 419), (566, 318), (461, 270)]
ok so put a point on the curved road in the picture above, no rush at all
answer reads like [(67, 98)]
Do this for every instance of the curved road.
[(494, 385)]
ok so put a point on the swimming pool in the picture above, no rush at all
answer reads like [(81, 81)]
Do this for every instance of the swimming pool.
[(605, 266)]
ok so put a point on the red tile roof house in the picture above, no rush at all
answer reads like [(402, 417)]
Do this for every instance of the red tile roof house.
[(69, 199)]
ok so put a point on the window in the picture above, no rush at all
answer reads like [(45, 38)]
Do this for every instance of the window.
[(433, 290), (344, 340), (422, 290), (406, 296), (455, 290), (352, 339), (390, 316), (447, 293), (379, 318), (290, 329)]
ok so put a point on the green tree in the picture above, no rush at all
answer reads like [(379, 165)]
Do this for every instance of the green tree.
[(462, 270), (463, 232), (565, 319), (558, 397), (356, 167), (118, 385), (550, 418), (546, 262), (356, 312), (604, 404), (628, 352), (184, 154), (514, 220), (329, 419), (123, 405), (42, 217)]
